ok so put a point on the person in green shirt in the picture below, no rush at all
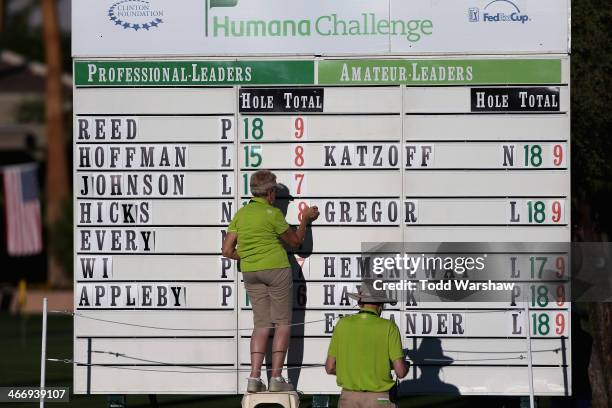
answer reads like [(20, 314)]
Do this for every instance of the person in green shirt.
[(254, 238), (362, 351)]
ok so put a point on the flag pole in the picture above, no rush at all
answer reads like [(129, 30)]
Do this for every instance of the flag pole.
[(43, 353), (529, 356)]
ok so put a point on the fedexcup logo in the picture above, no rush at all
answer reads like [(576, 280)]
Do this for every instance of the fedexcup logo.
[(135, 15), (498, 11)]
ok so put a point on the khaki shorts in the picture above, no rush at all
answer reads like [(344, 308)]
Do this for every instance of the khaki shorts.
[(355, 399), (270, 293)]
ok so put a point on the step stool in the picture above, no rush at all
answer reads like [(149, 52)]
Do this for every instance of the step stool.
[(286, 399)]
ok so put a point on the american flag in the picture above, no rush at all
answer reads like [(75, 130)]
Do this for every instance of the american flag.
[(23, 223)]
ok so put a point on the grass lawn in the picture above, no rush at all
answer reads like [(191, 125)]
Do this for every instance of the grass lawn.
[(20, 366)]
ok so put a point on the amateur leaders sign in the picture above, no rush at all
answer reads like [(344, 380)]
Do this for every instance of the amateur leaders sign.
[(321, 27)]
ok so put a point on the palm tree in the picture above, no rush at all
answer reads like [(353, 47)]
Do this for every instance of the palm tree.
[(57, 173)]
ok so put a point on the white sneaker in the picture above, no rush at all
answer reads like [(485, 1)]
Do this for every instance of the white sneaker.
[(255, 385), (279, 384)]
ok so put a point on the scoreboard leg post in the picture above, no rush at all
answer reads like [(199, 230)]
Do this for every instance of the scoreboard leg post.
[(525, 403), (153, 400)]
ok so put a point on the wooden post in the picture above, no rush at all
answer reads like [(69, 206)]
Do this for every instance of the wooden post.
[(57, 170)]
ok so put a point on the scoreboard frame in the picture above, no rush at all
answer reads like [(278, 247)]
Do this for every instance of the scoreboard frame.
[(162, 108)]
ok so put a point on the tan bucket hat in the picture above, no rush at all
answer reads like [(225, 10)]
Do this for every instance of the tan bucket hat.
[(367, 294)]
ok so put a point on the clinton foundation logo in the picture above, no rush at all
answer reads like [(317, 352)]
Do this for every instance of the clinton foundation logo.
[(359, 23), (135, 15)]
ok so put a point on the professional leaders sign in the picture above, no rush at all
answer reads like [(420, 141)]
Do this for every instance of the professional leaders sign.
[(259, 27)]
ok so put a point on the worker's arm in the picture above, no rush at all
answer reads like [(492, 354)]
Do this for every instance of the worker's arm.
[(396, 353), (330, 365), (332, 350), (295, 238), (399, 366), (229, 246)]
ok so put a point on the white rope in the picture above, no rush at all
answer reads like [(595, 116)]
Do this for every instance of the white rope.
[(198, 369), (65, 312), (175, 328)]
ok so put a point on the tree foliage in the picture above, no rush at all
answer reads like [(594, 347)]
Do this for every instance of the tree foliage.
[(591, 165), (21, 37), (591, 113)]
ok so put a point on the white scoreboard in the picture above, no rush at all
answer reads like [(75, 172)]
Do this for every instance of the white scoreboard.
[(390, 150), (404, 122)]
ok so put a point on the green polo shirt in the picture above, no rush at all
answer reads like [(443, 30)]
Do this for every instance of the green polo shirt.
[(363, 345), (258, 225)]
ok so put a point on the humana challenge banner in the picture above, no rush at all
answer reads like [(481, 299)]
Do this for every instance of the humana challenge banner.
[(273, 27)]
